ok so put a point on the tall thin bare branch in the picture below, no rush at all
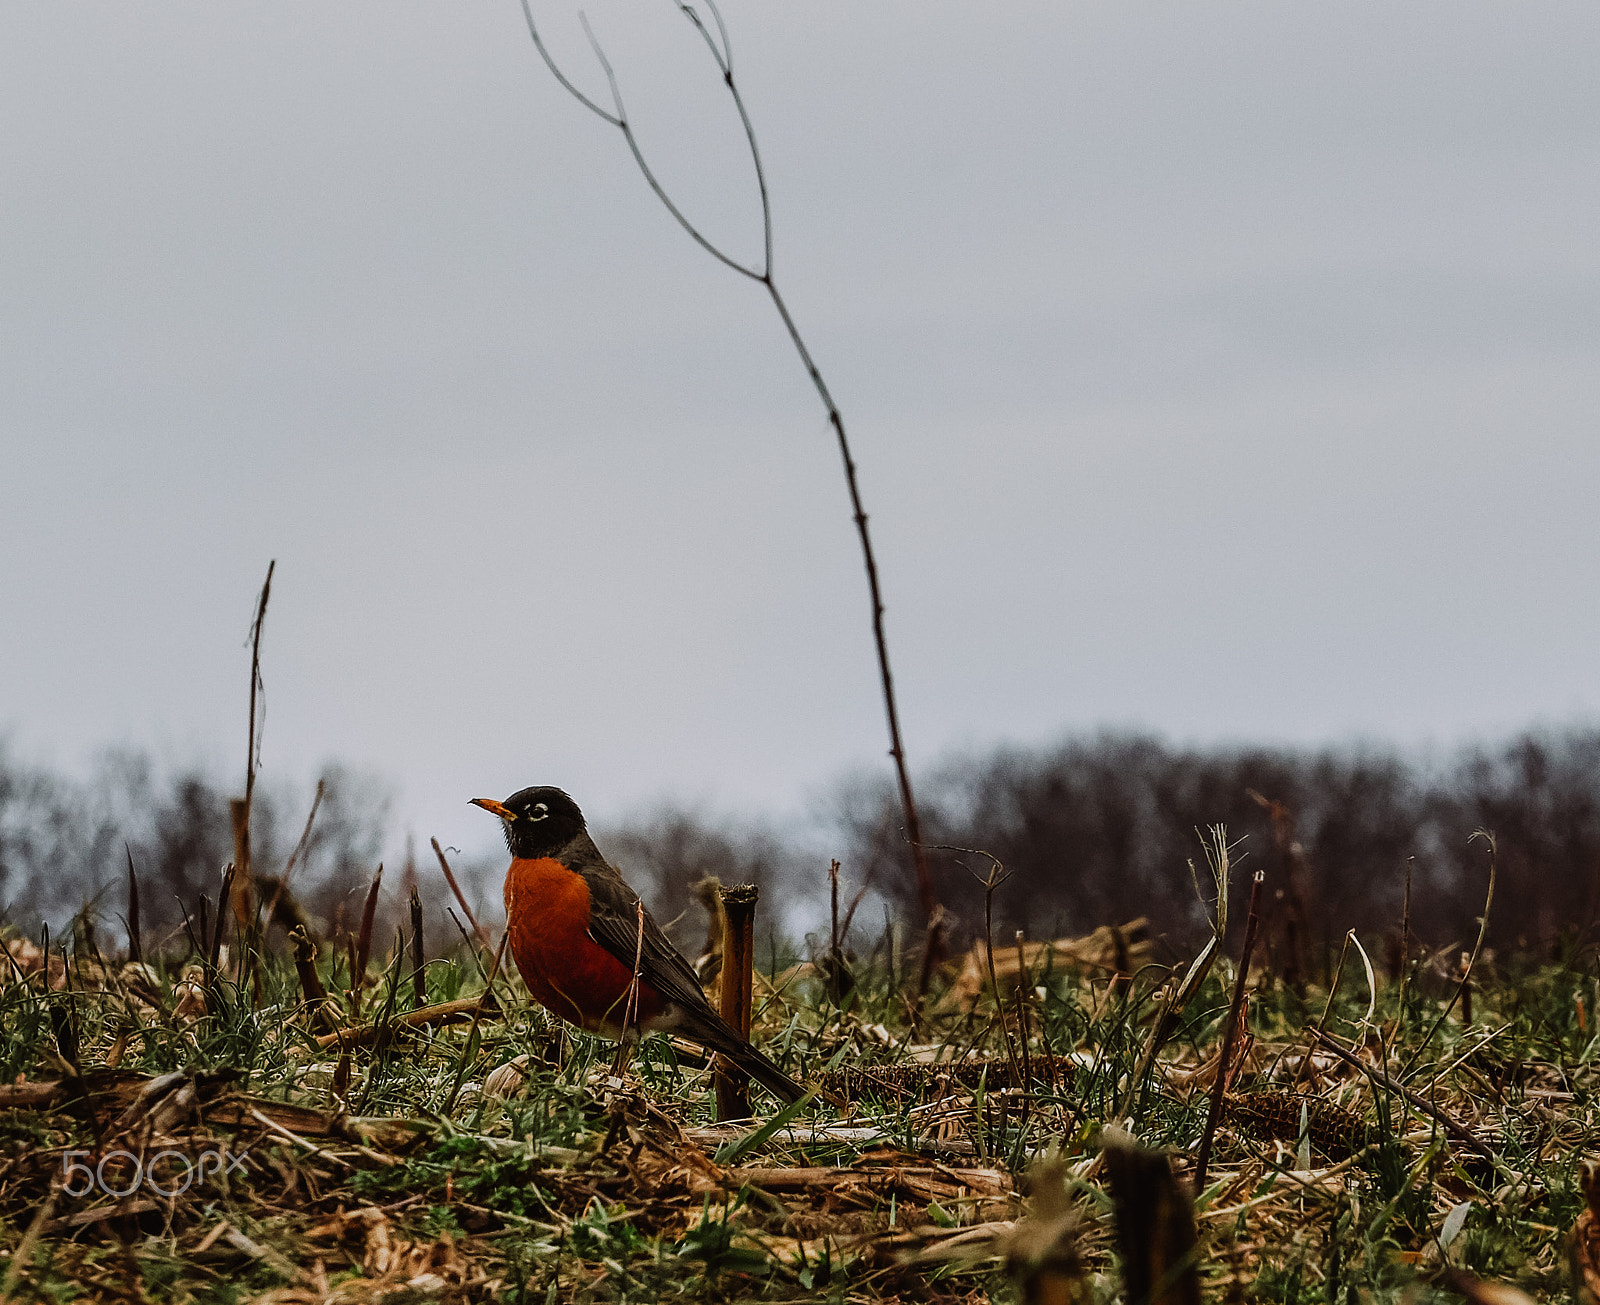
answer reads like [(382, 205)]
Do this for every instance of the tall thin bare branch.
[(722, 55)]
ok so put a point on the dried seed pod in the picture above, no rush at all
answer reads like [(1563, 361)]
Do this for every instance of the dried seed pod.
[(1335, 1132)]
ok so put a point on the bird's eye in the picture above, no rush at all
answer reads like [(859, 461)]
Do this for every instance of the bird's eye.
[(539, 812)]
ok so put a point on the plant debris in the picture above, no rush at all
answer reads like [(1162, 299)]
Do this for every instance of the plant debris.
[(165, 1133)]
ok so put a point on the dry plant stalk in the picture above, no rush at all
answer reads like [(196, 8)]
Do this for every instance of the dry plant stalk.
[(213, 952), (1023, 983), (486, 1005), (135, 946), (362, 952), (1220, 1087), (1453, 1128), (1472, 960), (991, 882), (478, 931), (419, 987), (840, 980), (305, 964), (1109, 949), (239, 819), (1219, 861), (299, 850), (1478, 1292), (1042, 1253), (242, 899), (738, 973), (1155, 1224)]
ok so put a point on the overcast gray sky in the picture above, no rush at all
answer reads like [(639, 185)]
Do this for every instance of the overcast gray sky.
[(1226, 370)]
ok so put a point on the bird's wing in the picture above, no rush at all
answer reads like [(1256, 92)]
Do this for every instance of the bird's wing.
[(623, 925), (615, 914)]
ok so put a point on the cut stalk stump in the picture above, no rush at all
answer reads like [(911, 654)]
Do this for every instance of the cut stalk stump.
[(738, 972)]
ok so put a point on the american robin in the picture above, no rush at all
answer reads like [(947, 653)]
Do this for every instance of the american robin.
[(580, 934)]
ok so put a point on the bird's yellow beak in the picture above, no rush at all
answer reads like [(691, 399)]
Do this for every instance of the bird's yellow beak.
[(495, 808)]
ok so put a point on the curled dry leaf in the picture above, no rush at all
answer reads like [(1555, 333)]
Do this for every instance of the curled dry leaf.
[(506, 1080)]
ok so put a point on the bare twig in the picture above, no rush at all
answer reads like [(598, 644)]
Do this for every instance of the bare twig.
[(1405, 934), (310, 1147), (850, 911), (445, 1012), (617, 117), (997, 875), (833, 897), (479, 932), (1327, 1007), (839, 977), (467, 942), (1455, 1129), (1023, 979), (299, 850)]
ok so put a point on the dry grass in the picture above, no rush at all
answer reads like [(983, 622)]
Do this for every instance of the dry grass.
[(369, 1176)]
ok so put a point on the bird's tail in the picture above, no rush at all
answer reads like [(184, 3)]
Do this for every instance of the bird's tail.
[(717, 1035), (753, 1063)]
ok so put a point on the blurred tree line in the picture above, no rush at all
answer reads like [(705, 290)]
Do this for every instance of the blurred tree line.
[(65, 845), (1104, 829), (1095, 830)]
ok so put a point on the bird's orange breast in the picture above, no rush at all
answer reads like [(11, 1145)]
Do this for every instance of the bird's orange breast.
[(571, 975)]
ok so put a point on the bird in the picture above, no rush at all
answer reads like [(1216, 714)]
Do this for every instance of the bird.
[(580, 935)]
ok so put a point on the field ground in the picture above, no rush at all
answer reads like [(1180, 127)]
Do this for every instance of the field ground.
[(174, 1132)]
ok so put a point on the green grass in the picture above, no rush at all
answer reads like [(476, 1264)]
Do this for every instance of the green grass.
[(575, 1189)]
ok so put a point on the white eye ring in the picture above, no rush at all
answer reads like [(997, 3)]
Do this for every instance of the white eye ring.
[(539, 812)]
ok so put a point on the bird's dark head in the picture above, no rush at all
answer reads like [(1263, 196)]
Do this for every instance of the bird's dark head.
[(537, 821)]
